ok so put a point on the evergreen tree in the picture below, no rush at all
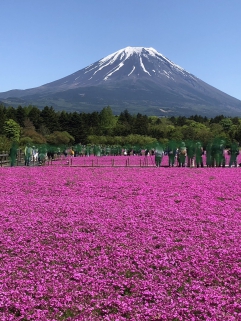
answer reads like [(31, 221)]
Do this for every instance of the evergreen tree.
[(11, 113), (64, 121), (141, 124), (50, 119), (2, 118), (20, 115), (75, 127), (35, 116)]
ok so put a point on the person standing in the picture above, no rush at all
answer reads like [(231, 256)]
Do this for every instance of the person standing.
[(182, 155), (190, 153), (158, 155), (171, 151), (13, 154), (28, 152), (209, 154), (234, 152), (42, 154), (198, 154), (222, 153)]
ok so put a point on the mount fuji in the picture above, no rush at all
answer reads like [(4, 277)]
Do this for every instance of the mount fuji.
[(135, 78)]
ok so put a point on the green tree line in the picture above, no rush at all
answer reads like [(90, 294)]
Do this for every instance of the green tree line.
[(32, 125)]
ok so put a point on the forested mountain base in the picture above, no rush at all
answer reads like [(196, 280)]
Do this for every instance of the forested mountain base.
[(35, 126)]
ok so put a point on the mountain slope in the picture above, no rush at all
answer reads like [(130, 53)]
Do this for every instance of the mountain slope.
[(139, 79)]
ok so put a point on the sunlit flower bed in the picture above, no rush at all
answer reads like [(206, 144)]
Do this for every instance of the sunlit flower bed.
[(120, 244)]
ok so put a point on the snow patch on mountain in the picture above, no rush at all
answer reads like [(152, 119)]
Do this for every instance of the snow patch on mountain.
[(143, 67), (132, 71), (117, 68)]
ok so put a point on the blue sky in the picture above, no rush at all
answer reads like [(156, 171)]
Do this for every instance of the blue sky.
[(45, 40)]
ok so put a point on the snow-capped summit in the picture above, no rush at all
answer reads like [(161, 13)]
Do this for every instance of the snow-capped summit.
[(135, 61), (137, 78), (130, 63), (124, 54)]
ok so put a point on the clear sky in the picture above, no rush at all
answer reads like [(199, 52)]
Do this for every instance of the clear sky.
[(45, 40)]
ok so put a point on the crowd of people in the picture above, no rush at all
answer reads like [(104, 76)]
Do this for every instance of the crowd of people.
[(192, 153), (181, 154)]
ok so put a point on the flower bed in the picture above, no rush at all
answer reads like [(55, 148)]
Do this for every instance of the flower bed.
[(120, 244), (122, 161)]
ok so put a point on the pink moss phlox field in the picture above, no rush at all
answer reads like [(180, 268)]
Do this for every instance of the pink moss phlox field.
[(96, 161), (120, 244)]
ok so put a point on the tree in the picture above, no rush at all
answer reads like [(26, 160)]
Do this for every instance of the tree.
[(5, 143), (20, 115), (43, 130), (157, 131), (2, 118), (124, 124), (11, 113), (64, 121), (28, 124), (216, 130), (107, 120), (11, 130), (217, 119), (29, 134), (138, 140), (93, 124), (35, 116), (198, 119), (60, 138), (232, 131), (236, 121), (141, 124), (181, 121), (175, 133), (126, 117), (226, 123), (50, 119), (75, 127)]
